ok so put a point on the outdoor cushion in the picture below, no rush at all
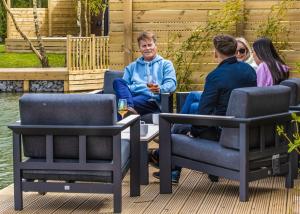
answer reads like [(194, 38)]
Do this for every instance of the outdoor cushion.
[(100, 176), (109, 77), (294, 84), (250, 102), (204, 150)]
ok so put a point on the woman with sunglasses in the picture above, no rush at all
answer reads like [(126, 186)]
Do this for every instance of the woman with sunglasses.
[(243, 52), (271, 68)]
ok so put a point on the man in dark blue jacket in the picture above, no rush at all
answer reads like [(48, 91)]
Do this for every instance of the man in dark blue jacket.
[(229, 74)]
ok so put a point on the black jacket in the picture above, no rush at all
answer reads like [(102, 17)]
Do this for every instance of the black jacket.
[(230, 74)]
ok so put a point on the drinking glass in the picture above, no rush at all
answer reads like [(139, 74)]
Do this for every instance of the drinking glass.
[(151, 81), (122, 107)]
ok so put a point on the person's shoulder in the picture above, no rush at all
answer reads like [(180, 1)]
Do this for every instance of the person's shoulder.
[(163, 60)]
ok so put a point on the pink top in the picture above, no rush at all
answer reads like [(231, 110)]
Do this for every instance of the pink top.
[(264, 76)]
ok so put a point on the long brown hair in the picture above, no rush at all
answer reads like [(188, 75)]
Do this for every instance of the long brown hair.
[(266, 52)]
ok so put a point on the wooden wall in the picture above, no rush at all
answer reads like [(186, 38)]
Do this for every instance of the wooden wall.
[(59, 19), (129, 17)]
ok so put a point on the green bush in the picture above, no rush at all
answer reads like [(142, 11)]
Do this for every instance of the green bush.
[(198, 43), (294, 140), (2, 22)]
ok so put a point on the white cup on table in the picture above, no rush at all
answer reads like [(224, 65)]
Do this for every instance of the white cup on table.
[(155, 119), (143, 128)]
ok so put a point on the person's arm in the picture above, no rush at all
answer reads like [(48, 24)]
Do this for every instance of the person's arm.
[(133, 86), (209, 97), (207, 104), (169, 80), (264, 77)]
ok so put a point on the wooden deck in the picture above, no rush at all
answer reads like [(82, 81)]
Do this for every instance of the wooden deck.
[(194, 194)]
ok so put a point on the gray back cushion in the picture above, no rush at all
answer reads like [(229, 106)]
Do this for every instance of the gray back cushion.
[(109, 77), (254, 102), (68, 109), (294, 84)]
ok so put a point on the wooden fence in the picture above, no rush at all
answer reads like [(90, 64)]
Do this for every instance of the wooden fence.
[(59, 19), (164, 17), (87, 59)]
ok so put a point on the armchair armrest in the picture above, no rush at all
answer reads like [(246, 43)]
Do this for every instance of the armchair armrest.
[(223, 121), (180, 99), (195, 119), (167, 102), (295, 108), (99, 91), (108, 130)]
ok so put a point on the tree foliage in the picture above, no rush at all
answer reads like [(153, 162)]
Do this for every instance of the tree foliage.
[(275, 28), (86, 8), (197, 44), (294, 140), (2, 22)]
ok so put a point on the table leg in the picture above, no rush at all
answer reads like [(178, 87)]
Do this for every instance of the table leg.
[(144, 170)]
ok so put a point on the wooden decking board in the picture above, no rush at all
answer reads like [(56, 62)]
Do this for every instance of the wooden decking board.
[(278, 200), (195, 193), (40, 202), (28, 199), (293, 201), (229, 198), (158, 204), (89, 204), (70, 205), (129, 203), (213, 196), (197, 196), (105, 202), (141, 203), (182, 194), (262, 200), (245, 207)]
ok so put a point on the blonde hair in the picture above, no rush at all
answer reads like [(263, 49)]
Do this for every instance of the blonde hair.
[(247, 46)]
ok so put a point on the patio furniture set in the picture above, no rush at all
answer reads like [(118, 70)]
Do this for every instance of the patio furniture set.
[(56, 144)]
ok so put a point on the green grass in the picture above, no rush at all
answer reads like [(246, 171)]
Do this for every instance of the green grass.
[(27, 60)]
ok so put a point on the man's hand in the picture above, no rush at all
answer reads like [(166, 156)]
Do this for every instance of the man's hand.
[(154, 88)]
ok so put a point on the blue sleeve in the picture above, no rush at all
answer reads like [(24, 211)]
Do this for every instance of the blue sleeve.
[(169, 80), (209, 97), (133, 86)]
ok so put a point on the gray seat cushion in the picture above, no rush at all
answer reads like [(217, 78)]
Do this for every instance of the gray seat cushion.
[(254, 102), (99, 176), (294, 84), (205, 151), (109, 77)]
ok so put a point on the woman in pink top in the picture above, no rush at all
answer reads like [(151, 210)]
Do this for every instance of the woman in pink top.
[(271, 68)]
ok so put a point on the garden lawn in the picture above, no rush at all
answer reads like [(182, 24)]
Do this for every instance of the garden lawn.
[(27, 60)]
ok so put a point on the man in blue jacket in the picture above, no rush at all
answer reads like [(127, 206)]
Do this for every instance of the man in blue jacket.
[(229, 74), (145, 78)]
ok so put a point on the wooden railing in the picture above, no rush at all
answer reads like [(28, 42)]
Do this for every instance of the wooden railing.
[(87, 59), (86, 53)]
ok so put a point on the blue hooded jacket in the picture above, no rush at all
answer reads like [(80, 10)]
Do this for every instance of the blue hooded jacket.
[(136, 75)]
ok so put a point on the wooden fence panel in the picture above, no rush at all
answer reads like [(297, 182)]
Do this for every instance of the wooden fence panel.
[(173, 16), (62, 20), (87, 59)]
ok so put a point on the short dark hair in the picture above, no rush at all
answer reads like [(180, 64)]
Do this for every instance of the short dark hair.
[(145, 35), (225, 44)]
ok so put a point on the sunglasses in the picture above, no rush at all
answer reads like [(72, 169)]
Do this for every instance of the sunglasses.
[(241, 51)]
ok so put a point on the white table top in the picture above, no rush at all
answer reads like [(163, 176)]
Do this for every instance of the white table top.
[(152, 133)]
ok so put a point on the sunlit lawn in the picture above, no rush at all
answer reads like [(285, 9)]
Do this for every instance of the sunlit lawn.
[(25, 60)]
